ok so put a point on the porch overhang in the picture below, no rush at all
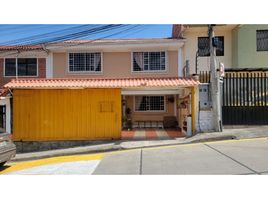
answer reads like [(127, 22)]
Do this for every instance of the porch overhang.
[(161, 83), (134, 92)]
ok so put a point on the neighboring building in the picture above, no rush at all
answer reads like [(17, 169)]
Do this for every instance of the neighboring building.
[(242, 46), (30, 62), (250, 46), (243, 49), (91, 86)]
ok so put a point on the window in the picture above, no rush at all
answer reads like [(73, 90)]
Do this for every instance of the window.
[(204, 49), (149, 103), (26, 66), (85, 62), (149, 61), (262, 40), (2, 119)]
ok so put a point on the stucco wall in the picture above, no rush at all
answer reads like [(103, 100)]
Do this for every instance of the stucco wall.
[(191, 47), (245, 48), (115, 64)]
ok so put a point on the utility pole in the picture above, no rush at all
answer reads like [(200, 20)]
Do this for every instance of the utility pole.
[(215, 82)]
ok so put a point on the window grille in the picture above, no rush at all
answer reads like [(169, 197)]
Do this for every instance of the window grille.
[(84, 62), (149, 61), (149, 103), (204, 47), (262, 40)]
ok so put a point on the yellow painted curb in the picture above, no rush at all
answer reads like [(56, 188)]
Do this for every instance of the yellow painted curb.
[(47, 161)]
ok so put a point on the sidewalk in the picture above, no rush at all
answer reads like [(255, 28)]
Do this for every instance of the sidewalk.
[(228, 133)]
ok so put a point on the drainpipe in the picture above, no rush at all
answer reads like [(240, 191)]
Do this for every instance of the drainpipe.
[(17, 64), (196, 64)]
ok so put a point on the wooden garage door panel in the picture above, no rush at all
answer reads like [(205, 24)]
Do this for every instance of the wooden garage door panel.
[(41, 115)]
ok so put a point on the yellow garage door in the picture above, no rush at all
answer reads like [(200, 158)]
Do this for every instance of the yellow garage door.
[(81, 114)]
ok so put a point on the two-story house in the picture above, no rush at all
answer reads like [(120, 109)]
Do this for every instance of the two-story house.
[(91, 90)]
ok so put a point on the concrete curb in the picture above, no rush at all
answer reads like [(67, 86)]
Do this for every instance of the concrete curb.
[(105, 148), (225, 137)]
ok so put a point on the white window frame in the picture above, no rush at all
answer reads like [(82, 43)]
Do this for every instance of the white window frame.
[(84, 72), (150, 71), (17, 73), (151, 111)]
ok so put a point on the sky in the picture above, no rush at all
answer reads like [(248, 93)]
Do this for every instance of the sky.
[(13, 32)]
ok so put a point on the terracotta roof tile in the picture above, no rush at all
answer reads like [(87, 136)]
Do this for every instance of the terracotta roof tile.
[(3, 92), (21, 47), (102, 83)]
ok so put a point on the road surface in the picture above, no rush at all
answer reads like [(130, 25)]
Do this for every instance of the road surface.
[(245, 157)]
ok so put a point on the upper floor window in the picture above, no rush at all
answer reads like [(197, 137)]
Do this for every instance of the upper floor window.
[(85, 62), (149, 61), (262, 40), (20, 67), (204, 48)]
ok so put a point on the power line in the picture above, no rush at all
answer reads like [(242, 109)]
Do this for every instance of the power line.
[(65, 34), (119, 29)]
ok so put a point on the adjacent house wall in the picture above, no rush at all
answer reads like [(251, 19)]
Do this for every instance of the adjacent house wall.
[(115, 65), (41, 71), (191, 47), (245, 49)]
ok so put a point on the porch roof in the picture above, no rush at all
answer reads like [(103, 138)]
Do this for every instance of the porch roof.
[(41, 83)]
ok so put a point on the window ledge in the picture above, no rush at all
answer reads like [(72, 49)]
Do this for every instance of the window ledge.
[(151, 71)]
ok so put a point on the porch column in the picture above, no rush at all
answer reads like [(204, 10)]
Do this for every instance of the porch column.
[(175, 105), (124, 105), (194, 108)]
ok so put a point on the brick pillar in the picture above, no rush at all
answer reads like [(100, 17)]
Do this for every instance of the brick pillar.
[(41, 67)]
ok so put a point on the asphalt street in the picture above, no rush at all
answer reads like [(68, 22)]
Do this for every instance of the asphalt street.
[(241, 157)]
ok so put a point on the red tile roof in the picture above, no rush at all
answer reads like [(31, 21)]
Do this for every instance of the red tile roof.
[(102, 83), (3, 92), (21, 47)]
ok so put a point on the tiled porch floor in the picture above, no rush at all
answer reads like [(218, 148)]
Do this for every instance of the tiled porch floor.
[(150, 133)]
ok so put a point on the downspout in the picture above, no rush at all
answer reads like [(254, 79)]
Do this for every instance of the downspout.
[(196, 64), (17, 63)]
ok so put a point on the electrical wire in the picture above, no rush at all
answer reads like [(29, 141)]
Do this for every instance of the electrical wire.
[(121, 29), (65, 34)]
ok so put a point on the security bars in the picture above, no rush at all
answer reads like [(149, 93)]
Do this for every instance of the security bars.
[(85, 62)]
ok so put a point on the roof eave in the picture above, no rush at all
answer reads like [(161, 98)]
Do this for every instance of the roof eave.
[(172, 43)]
